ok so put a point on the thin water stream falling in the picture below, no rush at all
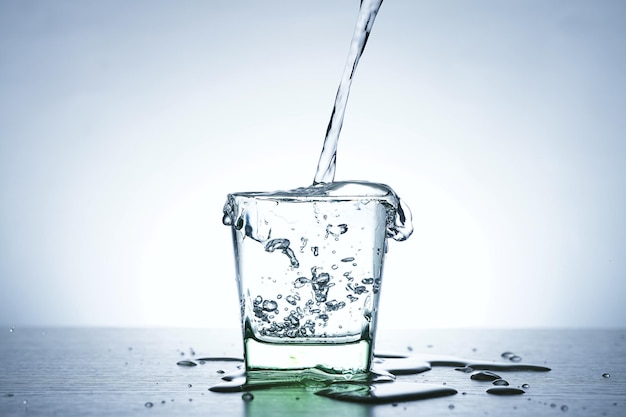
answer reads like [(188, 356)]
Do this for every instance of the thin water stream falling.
[(328, 158)]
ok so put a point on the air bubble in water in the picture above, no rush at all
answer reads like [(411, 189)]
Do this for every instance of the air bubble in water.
[(360, 289), (301, 282), (337, 230), (321, 284), (283, 245), (334, 305), (270, 305)]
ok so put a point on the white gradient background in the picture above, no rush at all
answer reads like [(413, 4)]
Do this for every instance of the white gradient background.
[(123, 125)]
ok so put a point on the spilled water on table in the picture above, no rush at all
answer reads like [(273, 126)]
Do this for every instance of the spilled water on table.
[(380, 386)]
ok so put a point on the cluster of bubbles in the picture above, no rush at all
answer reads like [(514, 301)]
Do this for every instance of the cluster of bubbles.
[(302, 317)]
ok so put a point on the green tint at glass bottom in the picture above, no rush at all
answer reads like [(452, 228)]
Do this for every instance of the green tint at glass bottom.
[(344, 360)]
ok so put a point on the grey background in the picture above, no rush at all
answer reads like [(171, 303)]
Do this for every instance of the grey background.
[(123, 124)]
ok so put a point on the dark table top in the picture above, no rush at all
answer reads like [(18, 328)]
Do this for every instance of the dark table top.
[(99, 371)]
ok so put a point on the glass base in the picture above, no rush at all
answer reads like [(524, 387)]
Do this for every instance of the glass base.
[(344, 361)]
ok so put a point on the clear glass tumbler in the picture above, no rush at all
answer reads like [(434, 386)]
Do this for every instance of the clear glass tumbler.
[(309, 271)]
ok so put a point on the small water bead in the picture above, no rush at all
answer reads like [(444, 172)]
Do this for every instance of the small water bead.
[(564, 408), (507, 355), (189, 385), (186, 363), (451, 406), (515, 358), (349, 259), (149, 404), (606, 375), (500, 382), (505, 391), (11, 330), (525, 385), (247, 396), (484, 376)]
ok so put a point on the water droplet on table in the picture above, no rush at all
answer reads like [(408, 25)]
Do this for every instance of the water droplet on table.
[(484, 376), (505, 391)]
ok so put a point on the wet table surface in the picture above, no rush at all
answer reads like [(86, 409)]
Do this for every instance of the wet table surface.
[(95, 371)]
